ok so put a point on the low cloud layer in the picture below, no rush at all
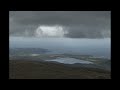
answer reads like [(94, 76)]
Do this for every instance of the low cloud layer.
[(72, 24)]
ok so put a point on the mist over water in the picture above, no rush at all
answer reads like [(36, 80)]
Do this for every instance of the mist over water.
[(84, 46), (60, 44), (71, 32)]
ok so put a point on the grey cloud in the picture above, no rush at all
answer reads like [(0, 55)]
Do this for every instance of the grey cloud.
[(81, 24)]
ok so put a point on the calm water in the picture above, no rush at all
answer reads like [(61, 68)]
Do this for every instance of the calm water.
[(95, 47), (70, 61)]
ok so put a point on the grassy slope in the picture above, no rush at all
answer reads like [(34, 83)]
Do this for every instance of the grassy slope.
[(42, 70)]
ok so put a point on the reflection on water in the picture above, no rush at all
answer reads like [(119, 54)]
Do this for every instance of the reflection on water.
[(70, 61)]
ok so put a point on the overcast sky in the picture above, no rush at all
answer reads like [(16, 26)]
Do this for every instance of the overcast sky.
[(74, 24)]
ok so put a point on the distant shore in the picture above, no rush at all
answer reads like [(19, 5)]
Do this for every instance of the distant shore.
[(21, 69)]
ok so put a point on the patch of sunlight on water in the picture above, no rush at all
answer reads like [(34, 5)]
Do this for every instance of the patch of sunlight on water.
[(70, 61)]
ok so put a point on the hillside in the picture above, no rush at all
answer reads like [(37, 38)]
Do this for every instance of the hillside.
[(21, 69)]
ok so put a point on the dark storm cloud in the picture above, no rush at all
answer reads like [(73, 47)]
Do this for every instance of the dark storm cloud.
[(81, 23)]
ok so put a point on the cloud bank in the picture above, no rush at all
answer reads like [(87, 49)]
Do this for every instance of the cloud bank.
[(50, 31), (71, 24)]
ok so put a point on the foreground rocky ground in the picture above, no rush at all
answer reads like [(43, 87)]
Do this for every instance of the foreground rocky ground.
[(21, 69)]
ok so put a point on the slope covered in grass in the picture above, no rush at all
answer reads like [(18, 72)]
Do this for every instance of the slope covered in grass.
[(20, 69)]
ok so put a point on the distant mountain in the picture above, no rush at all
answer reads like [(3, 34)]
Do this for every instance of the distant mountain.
[(16, 51)]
